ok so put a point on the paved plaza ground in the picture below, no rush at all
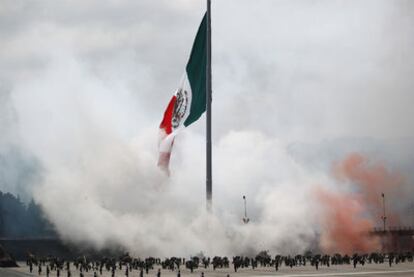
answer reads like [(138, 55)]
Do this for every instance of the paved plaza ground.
[(372, 270)]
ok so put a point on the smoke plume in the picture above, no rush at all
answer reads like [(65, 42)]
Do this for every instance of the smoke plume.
[(372, 180), (352, 211)]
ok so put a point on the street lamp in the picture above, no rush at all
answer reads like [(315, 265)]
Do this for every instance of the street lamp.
[(384, 217), (245, 218)]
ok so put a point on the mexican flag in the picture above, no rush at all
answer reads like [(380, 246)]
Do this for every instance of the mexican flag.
[(189, 101)]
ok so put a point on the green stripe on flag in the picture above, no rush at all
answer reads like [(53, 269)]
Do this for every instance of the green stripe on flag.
[(196, 72)]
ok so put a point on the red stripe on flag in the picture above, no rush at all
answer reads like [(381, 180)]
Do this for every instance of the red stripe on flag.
[(164, 161), (166, 122)]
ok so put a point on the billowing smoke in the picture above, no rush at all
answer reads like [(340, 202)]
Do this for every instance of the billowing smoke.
[(100, 186), (373, 180), (344, 227), (351, 212), (297, 86)]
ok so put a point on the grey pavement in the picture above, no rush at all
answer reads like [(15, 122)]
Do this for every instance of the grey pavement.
[(369, 270)]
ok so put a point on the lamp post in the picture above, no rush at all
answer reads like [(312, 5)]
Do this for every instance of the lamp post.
[(384, 217), (245, 218)]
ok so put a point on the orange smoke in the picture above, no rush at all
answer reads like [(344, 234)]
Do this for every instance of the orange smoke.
[(371, 180), (349, 217), (344, 227)]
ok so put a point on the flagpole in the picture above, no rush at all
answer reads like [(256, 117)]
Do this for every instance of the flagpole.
[(209, 181)]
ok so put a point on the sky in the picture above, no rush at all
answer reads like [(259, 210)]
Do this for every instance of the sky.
[(297, 87)]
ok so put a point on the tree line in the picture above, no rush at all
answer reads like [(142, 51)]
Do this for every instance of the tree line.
[(20, 220)]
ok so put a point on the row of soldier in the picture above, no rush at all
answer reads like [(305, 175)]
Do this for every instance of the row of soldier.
[(126, 263)]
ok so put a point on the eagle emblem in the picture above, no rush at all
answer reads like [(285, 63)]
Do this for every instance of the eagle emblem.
[(180, 107)]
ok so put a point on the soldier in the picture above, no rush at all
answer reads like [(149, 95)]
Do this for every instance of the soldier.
[(31, 266), (141, 273), (57, 272), (126, 271), (159, 273), (69, 274), (94, 274), (47, 271), (179, 273), (202, 274), (40, 269), (390, 258), (206, 262)]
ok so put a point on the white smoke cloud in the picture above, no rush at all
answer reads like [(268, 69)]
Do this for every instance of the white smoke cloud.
[(87, 84), (101, 185)]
